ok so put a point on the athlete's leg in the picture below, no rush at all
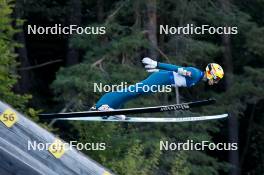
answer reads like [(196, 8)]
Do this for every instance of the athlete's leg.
[(116, 99)]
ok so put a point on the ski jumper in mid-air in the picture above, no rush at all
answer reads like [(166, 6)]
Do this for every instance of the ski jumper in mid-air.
[(162, 74)]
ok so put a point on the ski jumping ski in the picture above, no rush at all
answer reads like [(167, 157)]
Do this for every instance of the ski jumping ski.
[(148, 119), (154, 109), (101, 115)]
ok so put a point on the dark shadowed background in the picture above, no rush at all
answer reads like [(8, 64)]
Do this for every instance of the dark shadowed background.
[(56, 73)]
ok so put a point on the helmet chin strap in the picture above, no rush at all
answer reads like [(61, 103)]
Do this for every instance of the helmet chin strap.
[(204, 77)]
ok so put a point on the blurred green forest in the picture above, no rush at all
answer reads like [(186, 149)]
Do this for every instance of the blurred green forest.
[(56, 73)]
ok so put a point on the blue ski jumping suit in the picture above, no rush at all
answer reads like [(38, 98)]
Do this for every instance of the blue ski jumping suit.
[(169, 77)]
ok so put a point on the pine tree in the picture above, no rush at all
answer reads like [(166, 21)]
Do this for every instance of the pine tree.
[(8, 63)]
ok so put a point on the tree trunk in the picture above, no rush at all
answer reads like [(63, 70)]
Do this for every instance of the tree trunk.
[(100, 11), (233, 124), (152, 27), (24, 82), (74, 17)]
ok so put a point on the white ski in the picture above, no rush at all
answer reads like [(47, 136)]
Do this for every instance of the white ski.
[(147, 119)]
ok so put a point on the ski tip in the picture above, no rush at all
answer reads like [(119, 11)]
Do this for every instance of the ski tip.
[(213, 100), (206, 101)]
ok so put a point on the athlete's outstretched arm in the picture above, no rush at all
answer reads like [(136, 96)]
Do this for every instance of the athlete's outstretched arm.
[(152, 66), (169, 67)]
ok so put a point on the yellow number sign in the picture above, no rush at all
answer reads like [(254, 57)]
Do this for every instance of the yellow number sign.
[(57, 148), (9, 117)]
